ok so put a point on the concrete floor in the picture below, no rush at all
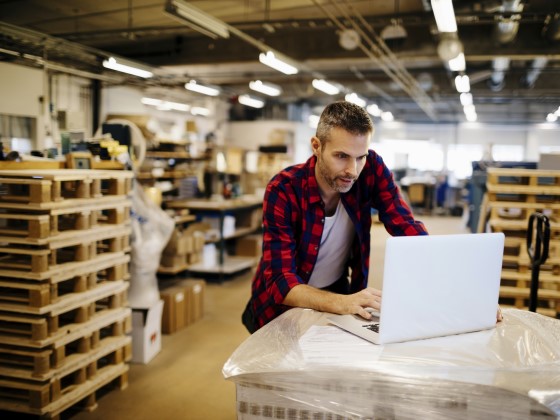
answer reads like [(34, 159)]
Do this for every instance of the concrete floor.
[(185, 381)]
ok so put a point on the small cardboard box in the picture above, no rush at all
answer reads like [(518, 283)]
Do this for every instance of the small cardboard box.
[(196, 303), (146, 332), (174, 309), (249, 246)]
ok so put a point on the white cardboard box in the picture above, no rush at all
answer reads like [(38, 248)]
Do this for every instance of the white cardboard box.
[(146, 332)]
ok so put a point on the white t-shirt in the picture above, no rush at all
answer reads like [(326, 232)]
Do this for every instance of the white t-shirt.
[(334, 248)]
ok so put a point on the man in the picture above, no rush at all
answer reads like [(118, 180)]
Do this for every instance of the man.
[(317, 222)]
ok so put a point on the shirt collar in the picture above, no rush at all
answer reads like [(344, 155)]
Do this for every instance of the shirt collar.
[(312, 185)]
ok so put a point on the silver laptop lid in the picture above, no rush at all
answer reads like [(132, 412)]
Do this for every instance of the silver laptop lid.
[(439, 285)]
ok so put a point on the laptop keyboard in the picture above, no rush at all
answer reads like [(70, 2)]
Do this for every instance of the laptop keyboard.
[(372, 327)]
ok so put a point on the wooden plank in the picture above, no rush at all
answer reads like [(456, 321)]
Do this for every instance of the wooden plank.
[(39, 331), (39, 365), (60, 391)]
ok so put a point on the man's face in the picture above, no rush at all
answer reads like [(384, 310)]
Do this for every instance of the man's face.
[(342, 159)]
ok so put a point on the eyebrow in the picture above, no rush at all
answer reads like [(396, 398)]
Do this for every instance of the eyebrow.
[(341, 152)]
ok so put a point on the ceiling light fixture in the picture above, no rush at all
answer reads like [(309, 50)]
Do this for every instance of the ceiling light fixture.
[(198, 110), (355, 99), (462, 83), (471, 117), (470, 113), (325, 87), (113, 64), (250, 101), (458, 63), (374, 110), (466, 99), (387, 116), (197, 19), (266, 88), (445, 15), (206, 90), (166, 105), (274, 62), (552, 117)]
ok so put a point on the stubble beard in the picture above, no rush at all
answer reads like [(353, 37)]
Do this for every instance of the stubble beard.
[(329, 179)]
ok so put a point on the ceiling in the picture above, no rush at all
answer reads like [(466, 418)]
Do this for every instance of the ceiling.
[(408, 78)]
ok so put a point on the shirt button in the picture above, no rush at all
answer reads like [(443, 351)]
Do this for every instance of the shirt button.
[(322, 220), (316, 248)]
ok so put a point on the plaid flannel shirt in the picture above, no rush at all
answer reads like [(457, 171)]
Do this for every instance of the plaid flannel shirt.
[(293, 220)]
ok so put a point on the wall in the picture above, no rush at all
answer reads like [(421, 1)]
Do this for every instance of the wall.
[(28, 91), (166, 124), (250, 135)]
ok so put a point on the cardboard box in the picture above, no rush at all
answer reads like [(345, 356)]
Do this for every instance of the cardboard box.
[(249, 246), (146, 332), (174, 309), (194, 297)]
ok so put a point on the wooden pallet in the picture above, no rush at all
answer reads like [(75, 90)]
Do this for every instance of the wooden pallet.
[(508, 211), (31, 297), (41, 227), (523, 185), (40, 331), (58, 359), (518, 228), (515, 252), (43, 397), (40, 259), (61, 188)]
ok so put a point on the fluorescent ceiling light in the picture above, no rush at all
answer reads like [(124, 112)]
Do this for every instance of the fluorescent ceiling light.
[(113, 64), (471, 117), (445, 15), (466, 99), (151, 101), (462, 83), (387, 116), (198, 110), (557, 112), (551, 117), (325, 86), (251, 101), (458, 63), (272, 61), (355, 99), (206, 90), (266, 88), (166, 105), (374, 110), (469, 109), (196, 19)]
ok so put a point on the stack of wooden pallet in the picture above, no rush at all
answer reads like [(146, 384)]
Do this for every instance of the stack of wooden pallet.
[(513, 195), (64, 254)]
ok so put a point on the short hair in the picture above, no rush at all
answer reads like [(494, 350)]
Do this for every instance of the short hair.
[(345, 115)]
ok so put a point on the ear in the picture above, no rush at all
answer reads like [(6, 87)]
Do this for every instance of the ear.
[(315, 145)]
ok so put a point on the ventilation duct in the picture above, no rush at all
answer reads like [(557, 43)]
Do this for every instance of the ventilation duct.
[(534, 72), (499, 68), (508, 24)]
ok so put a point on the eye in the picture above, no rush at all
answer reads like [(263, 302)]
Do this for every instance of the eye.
[(341, 156)]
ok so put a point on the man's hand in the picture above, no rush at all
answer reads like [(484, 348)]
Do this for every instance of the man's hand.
[(358, 302), (305, 296), (499, 316)]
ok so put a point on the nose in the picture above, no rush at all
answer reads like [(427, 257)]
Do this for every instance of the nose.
[(351, 170)]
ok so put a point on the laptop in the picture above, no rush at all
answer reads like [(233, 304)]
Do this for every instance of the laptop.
[(434, 286)]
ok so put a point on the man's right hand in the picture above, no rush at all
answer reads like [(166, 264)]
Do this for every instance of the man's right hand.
[(305, 296), (358, 302)]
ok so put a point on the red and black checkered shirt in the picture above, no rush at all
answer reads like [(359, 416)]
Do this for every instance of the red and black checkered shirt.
[(293, 220)]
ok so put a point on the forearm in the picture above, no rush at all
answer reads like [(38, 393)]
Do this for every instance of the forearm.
[(305, 296)]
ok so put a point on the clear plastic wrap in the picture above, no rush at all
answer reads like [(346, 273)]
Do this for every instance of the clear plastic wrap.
[(300, 366)]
